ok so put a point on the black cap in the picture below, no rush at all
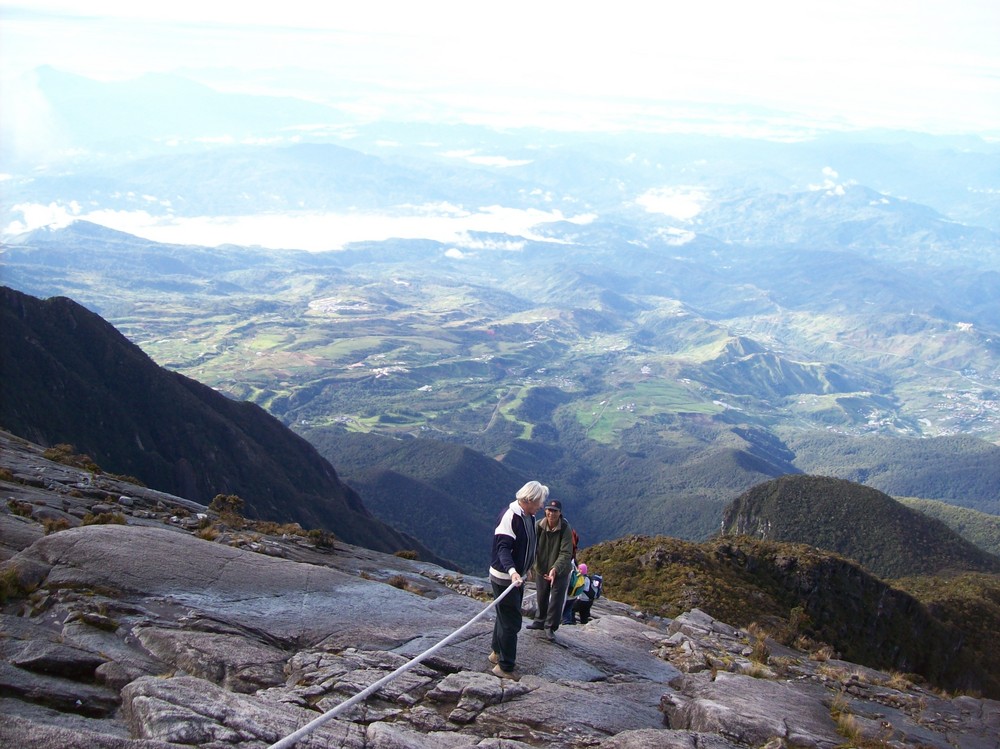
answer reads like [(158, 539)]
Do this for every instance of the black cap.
[(553, 504)]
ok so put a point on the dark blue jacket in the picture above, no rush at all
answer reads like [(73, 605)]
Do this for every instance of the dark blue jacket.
[(513, 543)]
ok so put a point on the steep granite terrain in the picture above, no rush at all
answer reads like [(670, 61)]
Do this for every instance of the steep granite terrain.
[(163, 625)]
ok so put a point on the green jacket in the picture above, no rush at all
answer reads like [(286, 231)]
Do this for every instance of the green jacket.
[(555, 548)]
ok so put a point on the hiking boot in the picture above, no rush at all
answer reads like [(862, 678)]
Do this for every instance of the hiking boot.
[(494, 658), (535, 625), (550, 634), (497, 670)]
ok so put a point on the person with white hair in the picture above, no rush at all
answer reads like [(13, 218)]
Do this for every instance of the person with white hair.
[(514, 545)]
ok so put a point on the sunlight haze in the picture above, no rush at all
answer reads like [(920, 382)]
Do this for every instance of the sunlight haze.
[(916, 65), (778, 70)]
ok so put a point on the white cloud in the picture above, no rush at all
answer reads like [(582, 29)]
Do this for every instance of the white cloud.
[(674, 236), (473, 157), (311, 231), (35, 215), (493, 243), (682, 203), (832, 184), (498, 161)]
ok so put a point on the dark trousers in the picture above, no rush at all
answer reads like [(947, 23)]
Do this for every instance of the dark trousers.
[(551, 598), (507, 624), (569, 612), (583, 605)]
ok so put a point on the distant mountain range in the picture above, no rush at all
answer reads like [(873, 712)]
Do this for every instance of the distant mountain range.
[(652, 324), (70, 377), (674, 417), (77, 379), (679, 334)]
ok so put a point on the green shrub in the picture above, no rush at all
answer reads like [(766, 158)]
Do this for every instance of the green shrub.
[(105, 518), (19, 508), (54, 526), (10, 585), (229, 507), (406, 554), (761, 653), (322, 538), (67, 455), (398, 581)]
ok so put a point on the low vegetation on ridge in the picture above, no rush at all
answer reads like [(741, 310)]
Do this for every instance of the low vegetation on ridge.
[(802, 595)]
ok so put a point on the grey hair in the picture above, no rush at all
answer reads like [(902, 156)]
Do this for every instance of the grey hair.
[(533, 491)]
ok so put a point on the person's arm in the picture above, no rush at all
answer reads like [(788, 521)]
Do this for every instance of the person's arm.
[(536, 566), (506, 537), (565, 559), (505, 552)]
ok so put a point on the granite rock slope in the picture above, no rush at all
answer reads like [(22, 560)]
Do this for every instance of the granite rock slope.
[(141, 633)]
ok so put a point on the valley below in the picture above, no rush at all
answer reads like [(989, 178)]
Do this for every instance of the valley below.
[(648, 363)]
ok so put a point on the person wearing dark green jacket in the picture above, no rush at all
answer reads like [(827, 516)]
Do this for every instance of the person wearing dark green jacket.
[(553, 564)]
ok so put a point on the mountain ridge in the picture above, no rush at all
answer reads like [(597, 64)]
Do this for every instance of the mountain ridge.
[(70, 377), (884, 536)]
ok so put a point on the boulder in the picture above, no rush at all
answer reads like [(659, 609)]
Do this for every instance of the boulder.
[(753, 711)]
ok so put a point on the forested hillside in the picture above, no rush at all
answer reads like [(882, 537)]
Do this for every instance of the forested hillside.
[(959, 470), (980, 528), (882, 535), (799, 593)]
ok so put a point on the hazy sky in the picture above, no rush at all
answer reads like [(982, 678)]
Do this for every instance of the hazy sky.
[(920, 64), (773, 66)]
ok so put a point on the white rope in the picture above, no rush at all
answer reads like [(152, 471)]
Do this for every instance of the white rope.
[(360, 696)]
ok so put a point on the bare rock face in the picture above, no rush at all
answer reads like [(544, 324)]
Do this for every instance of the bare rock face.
[(142, 635)]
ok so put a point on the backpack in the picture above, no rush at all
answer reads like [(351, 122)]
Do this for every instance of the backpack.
[(596, 585)]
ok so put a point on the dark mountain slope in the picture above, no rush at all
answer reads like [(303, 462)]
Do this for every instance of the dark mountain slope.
[(980, 528), (446, 495), (440, 520), (70, 377), (647, 488), (886, 537)]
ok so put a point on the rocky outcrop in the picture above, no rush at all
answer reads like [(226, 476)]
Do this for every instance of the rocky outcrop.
[(143, 635)]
